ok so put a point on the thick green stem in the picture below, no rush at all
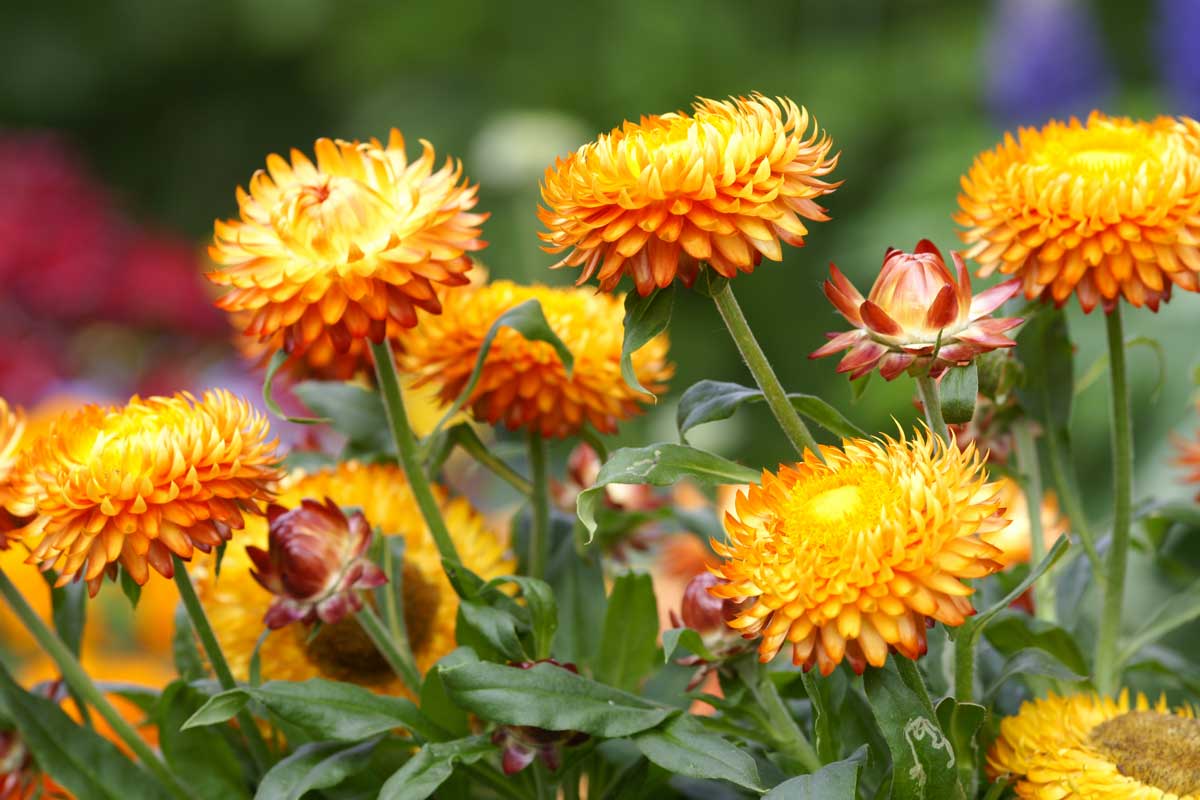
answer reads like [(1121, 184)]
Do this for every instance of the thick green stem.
[(539, 501), (1107, 678), (964, 665), (1064, 482), (403, 666), (82, 686), (406, 448), (212, 648), (933, 407), (785, 732), (777, 400), (1031, 485)]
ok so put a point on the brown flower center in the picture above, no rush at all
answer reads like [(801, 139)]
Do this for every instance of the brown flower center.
[(421, 600), (1159, 750)]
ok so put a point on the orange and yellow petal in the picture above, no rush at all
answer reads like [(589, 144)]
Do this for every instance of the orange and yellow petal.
[(848, 558), (1104, 209), (236, 603), (524, 384), (724, 185), (346, 248), (139, 483)]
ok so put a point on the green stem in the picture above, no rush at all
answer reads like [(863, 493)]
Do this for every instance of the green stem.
[(911, 674), (793, 427), (1031, 484), (1072, 504), (212, 648), (471, 443), (933, 406), (82, 686), (784, 729), (964, 664), (1118, 553), (539, 500), (406, 448), (404, 668)]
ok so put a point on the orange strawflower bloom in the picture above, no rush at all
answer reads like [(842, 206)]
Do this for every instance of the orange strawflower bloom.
[(1189, 458), (12, 426), (345, 249), (1106, 209), (139, 482), (850, 557), (918, 314), (654, 199), (524, 384)]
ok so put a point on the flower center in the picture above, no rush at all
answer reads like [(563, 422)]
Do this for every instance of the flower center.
[(1102, 160), (1160, 750), (338, 220), (835, 504), (826, 511)]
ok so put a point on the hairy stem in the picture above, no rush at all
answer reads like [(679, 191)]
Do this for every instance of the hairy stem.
[(933, 407)]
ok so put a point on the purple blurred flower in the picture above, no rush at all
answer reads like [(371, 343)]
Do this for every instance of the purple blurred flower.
[(1045, 58), (1176, 34)]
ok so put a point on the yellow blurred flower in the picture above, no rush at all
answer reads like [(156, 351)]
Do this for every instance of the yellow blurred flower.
[(1014, 540), (1086, 747), (139, 482), (524, 384), (655, 198), (236, 603), (1106, 209), (347, 248), (846, 558)]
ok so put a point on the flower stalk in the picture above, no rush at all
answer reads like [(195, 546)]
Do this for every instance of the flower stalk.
[(400, 662), (1030, 482), (539, 501), (932, 402), (1118, 554)]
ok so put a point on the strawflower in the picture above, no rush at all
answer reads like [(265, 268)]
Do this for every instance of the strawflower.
[(1105, 209), (848, 557), (918, 315), (12, 427), (724, 185)]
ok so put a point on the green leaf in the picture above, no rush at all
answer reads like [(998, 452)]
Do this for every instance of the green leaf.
[(318, 765), (961, 723), (496, 627), (579, 589), (188, 662), (543, 610), (629, 643), (526, 319), (923, 759), (431, 766), (976, 624), (69, 612), (1033, 661), (709, 401), (662, 464), (686, 638), (83, 762), (277, 361), (836, 781), (1044, 349), (683, 746), (130, 588), (1013, 631), (959, 388), (550, 697), (820, 691), (645, 318), (321, 709), (201, 754), (435, 700), (352, 411), (1178, 610)]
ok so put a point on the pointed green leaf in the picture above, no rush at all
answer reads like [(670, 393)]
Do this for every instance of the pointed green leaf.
[(543, 610), (1032, 661), (977, 623), (645, 318), (353, 411), (277, 361), (496, 627), (629, 642), (709, 401), (69, 611), (218, 708), (836, 781), (961, 723), (432, 765), (683, 746), (959, 389), (1178, 610), (201, 754), (319, 765), (686, 638)]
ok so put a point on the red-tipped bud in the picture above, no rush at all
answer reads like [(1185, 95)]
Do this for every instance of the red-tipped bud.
[(315, 563)]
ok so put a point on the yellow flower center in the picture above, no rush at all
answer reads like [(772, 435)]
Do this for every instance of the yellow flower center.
[(338, 219), (1099, 152), (826, 511), (1157, 749)]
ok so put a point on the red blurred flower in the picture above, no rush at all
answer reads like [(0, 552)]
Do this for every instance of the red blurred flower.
[(158, 284)]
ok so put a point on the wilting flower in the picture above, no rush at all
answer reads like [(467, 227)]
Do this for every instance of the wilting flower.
[(140, 482), (524, 384), (12, 426), (315, 563), (1015, 540), (236, 603), (917, 314), (1085, 747), (346, 249), (521, 744), (1106, 209), (654, 199), (849, 557)]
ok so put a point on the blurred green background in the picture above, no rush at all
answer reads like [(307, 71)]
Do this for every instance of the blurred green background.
[(175, 103)]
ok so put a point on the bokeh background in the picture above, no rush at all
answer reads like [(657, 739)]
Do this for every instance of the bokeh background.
[(126, 125)]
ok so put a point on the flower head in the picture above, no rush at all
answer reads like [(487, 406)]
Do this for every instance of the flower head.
[(347, 248), (315, 563), (524, 384), (848, 557), (654, 199), (918, 313), (1084, 746), (1103, 209), (236, 603), (140, 482)]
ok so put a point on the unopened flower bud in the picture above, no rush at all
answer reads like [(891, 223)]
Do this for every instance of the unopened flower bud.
[(521, 744), (315, 563)]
